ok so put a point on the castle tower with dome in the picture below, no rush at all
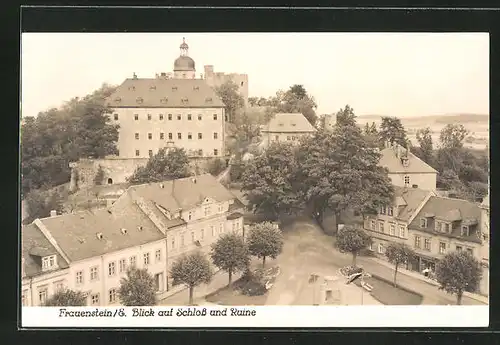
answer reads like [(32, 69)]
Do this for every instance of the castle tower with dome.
[(184, 66)]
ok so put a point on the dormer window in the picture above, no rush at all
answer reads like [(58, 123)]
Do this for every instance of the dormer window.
[(294, 124), (152, 88), (131, 88), (184, 100), (382, 210), (164, 100), (423, 222), (390, 211), (196, 88), (208, 100), (48, 262), (465, 230), (174, 88), (123, 231), (118, 99), (405, 161), (99, 236), (139, 100)]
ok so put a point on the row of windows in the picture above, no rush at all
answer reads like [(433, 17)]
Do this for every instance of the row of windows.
[(179, 136), (386, 210), (169, 117), (199, 153), (442, 246), (207, 211), (122, 267), (392, 228), (112, 297), (201, 236)]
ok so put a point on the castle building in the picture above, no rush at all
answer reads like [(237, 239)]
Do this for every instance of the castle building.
[(286, 127), (215, 79), (177, 110)]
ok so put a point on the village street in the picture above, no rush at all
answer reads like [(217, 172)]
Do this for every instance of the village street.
[(308, 250)]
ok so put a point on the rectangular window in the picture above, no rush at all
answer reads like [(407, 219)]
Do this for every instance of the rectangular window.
[(137, 153), (427, 244), (112, 296), (446, 227), (401, 231), (173, 243), (390, 211), (459, 248), (372, 225), (149, 116), (213, 230), (94, 299), (162, 136), (423, 222), (170, 136), (136, 117), (215, 135), (192, 237), (150, 153), (207, 210), (179, 116), (216, 152), (469, 250), (158, 282), (94, 273), (277, 138), (179, 136), (190, 136), (417, 241), (202, 234), (146, 259), (200, 136), (382, 210), (215, 116), (136, 136), (58, 286), (111, 269), (150, 136), (122, 265), (182, 241), (189, 117), (288, 137), (116, 117), (392, 229), (442, 248), (221, 228), (465, 231), (190, 215), (199, 117), (42, 295), (370, 247), (158, 255), (381, 226), (48, 262), (381, 248), (133, 261), (79, 277), (170, 116)]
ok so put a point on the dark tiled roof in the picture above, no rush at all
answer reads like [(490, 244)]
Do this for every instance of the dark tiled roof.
[(236, 205), (289, 122), (76, 233), (183, 194), (411, 198), (234, 215), (390, 161), (35, 246), (460, 210), (164, 93)]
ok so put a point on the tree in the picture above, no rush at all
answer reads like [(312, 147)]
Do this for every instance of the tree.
[(265, 240), (346, 117), (371, 133), (246, 131), (231, 98), (137, 288), (295, 100), (40, 202), (392, 130), (398, 253), (426, 151), (191, 270), (66, 298), (268, 181), (99, 176), (163, 166), (352, 240), (458, 272), (230, 254), (452, 136), (340, 171), (216, 166)]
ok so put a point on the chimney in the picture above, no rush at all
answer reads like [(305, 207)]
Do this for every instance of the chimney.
[(53, 213), (109, 202), (163, 74), (134, 76), (209, 70), (162, 186), (193, 180)]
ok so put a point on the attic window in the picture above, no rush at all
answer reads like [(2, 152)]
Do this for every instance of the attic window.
[(123, 231), (196, 88), (208, 99), (152, 88), (405, 161), (294, 124), (164, 100), (99, 235), (139, 100), (423, 222), (118, 99), (184, 100), (139, 228), (131, 88), (48, 262), (465, 230), (81, 240), (174, 88)]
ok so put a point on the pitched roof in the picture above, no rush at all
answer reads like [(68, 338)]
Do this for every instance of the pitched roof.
[(35, 246), (164, 93), (183, 193), (410, 198), (289, 122), (76, 233), (394, 164), (450, 210)]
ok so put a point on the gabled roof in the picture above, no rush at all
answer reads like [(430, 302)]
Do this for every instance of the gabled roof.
[(34, 247), (411, 199), (290, 123), (390, 161), (183, 194), (452, 210), (76, 233), (164, 93)]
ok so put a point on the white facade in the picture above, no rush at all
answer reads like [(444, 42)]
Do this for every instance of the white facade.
[(425, 181)]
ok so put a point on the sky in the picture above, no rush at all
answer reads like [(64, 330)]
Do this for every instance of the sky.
[(391, 74)]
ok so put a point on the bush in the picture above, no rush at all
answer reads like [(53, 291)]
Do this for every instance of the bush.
[(251, 283), (216, 166)]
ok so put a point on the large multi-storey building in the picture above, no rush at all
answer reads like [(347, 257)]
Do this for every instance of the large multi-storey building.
[(149, 226), (181, 111), (215, 79)]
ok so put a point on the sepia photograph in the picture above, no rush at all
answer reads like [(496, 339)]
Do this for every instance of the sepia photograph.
[(210, 174)]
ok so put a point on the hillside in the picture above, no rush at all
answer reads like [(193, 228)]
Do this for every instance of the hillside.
[(437, 119)]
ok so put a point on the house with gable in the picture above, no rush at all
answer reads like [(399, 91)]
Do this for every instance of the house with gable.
[(407, 170), (149, 226), (286, 127), (391, 223)]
